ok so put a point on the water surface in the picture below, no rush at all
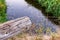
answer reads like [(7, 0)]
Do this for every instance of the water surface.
[(20, 8)]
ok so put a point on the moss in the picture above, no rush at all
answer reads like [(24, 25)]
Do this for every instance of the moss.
[(2, 11)]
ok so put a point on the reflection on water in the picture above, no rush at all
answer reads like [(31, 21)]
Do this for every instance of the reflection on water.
[(20, 8)]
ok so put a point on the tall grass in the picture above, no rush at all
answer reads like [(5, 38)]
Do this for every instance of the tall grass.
[(51, 6)]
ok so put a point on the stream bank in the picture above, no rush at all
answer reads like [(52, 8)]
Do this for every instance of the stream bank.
[(48, 15)]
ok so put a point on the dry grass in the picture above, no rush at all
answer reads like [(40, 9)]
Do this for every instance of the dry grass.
[(53, 36), (27, 36)]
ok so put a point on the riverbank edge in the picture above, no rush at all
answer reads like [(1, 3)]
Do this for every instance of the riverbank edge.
[(39, 7)]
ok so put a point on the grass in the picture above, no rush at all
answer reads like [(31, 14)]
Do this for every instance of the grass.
[(51, 6), (39, 36), (2, 11)]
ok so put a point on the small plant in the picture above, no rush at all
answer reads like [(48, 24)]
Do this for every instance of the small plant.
[(43, 30), (48, 30), (40, 30)]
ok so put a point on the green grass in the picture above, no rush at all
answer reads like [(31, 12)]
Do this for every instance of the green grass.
[(2, 11), (51, 6)]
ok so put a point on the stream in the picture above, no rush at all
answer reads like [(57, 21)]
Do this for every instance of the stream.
[(20, 8)]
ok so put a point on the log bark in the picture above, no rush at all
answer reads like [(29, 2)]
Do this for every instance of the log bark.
[(13, 27)]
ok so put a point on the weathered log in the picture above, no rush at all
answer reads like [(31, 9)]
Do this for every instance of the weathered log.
[(13, 27)]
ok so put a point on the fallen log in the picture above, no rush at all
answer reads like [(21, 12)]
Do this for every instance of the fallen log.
[(13, 27)]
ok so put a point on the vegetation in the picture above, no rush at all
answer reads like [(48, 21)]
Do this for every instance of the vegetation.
[(53, 36), (2, 11), (51, 6), (38, 36)]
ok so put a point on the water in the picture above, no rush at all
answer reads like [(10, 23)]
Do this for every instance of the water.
[(20, 8)]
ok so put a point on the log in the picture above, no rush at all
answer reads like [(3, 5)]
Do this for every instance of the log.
[(13, 27)]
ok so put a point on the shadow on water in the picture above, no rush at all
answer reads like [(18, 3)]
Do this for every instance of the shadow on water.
[(48, 15)]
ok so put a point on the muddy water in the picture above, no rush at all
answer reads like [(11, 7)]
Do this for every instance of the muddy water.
[(20, 8)]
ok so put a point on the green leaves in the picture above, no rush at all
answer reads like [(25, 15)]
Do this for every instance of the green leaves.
[(2, 11), (52, 6)]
